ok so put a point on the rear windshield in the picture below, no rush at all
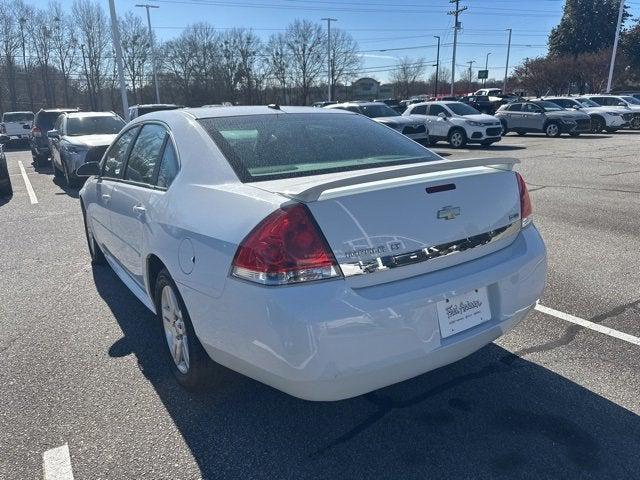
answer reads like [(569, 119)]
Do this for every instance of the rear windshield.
[(94, 125), (266, 147), (17, 117)]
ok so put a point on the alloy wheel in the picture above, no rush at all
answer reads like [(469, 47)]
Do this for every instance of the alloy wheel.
[(456, 139), (552, 130), (175, 329)]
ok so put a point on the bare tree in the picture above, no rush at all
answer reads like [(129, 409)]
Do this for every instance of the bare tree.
[(406, 73), (345, 61), (136, 51), (9, 43), (64, 45), (305, 54), (240, 55), (94, 35), (276, 57), (41, 38)]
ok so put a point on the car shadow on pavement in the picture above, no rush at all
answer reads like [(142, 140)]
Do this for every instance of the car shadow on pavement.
[(71, 191), (491, 415)]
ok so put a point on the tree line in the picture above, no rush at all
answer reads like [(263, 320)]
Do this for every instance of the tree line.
[(64, 57)]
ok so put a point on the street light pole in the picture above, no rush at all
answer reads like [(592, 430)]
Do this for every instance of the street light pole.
[(435, 90), (153, 49), (118, 48), (486, 67), (506, 68), (329, 20), (615, 46)]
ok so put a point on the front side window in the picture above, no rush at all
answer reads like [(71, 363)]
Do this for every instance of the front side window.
[(585, 102), (145, 154), (168, 166), (531, 108), (115, 157), (515, 107), (265, 147), (108, 125), (419, 110), (435, 110)]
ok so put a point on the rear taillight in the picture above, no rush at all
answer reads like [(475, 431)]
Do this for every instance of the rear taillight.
[(525, 201), (35, 131), (286, 247)]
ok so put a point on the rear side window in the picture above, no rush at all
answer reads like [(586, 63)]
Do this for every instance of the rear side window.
[(435, 110), (114, 159), (145, 154), (515, 107), (265, 147), (168, 166), (419, 110)]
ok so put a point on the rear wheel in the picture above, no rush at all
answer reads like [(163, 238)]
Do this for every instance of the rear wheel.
[(635, 122), (597, 125), (189, 362), (457, 138), (521, 133), (552, 129)]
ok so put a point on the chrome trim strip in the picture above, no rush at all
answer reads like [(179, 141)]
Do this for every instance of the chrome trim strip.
[(361, 267)]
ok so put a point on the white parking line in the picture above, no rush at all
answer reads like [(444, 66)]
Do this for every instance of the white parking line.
[(596, 327), (57, 464), (27, 183)]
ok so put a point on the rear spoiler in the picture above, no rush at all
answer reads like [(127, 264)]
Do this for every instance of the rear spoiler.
[(313, 193)]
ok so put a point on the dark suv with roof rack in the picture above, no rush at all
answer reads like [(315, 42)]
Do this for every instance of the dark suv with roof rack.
[(42, 123)]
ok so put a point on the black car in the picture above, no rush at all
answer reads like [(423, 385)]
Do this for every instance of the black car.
[(5, 181), (480, 103), (42, 123)]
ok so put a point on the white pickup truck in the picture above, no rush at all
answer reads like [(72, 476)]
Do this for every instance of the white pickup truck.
[(16, 125)]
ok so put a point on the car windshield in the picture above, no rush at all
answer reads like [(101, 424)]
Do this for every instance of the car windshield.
[(632, 100), (17, 117), (462, 109), (77, 126), (378, 110), (265, 147), (549, 106), (585, 102)]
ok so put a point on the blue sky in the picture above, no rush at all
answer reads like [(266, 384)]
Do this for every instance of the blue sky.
[(384, 24)]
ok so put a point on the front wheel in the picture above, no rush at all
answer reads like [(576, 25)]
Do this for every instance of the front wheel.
[(598, 125), (189, 362), (56, 171), (457, 138), (635, 123), (552, 130), (97, 257)]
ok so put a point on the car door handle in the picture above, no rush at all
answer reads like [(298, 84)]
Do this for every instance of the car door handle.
[(106, 197), (139, 210)]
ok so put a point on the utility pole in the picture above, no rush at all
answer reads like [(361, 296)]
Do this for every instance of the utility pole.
[(470, 62), (486, 67), (153, 49), (615, 46), (435, 90), (329, 20), (456, 27), (506, 68), (22, 21), (118, 49)]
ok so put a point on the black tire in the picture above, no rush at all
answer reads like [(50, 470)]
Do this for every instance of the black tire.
[(635, 123), (457, 138), (611, 130), (521, 133), (200, 366), (552, 129), (40, 160), (487, 143), (598, 125), (70, 180), (505, 129), (574, 134), (56, 171), (95, 252)]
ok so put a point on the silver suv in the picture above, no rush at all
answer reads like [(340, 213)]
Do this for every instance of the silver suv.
[(627, 102), (542, 116), (602, 118)]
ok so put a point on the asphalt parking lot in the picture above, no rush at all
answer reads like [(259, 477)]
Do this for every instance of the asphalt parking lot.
[(557, 397)]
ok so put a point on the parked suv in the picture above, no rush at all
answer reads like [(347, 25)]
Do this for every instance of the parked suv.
[(16, 125), (542, 116), (42, 123), (457, 123), (620, 101), (412, 127), (602, 118), (81, 137)]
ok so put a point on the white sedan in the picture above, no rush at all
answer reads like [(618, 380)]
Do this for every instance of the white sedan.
[(314, 250)]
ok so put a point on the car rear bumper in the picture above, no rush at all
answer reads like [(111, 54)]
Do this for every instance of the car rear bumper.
[(327, 341)]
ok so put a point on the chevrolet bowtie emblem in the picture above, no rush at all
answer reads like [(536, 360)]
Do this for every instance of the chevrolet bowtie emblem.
[(448, 212)]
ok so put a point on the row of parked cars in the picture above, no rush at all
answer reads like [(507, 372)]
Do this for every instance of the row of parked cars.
[(459, 123)]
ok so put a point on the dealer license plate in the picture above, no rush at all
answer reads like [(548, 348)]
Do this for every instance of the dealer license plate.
[(459, 313)]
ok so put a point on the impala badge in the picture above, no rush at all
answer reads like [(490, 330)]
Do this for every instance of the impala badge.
[(448, 212)]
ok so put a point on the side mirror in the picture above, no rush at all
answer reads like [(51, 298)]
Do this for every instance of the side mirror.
[(26, 126), (4, 139), (53, 134), (88, 169), (442, 115)]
